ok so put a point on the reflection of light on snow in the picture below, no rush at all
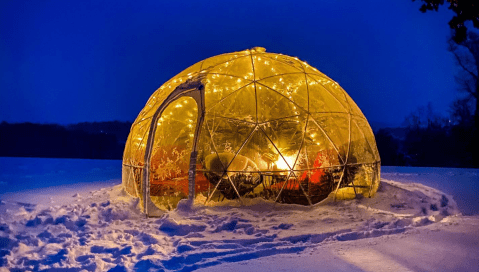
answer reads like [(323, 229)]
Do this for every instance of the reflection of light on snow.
[(281, 164)]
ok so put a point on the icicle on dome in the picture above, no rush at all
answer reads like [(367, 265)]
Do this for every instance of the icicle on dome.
[(249, 124)]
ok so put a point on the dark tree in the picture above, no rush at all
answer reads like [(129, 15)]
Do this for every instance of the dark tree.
[(389, 148), (461, 113), (462, 133), (466, 10), (466, 54)]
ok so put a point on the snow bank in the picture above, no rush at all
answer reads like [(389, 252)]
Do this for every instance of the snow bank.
[(103, 230), (459, 182)]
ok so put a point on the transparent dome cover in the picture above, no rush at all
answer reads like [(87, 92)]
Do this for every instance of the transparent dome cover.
[(250, 124)]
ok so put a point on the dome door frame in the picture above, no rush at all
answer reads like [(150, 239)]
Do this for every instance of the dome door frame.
[(194, 88)]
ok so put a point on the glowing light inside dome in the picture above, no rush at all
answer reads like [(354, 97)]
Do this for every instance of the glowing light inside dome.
[(281, 164), (294, 110)]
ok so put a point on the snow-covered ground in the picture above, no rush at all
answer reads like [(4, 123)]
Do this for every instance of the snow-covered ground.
[(72, 215)]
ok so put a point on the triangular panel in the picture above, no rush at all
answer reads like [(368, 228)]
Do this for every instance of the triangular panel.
[(244, 169), (321, 99), (335, 127), (240, 105), (273, 105), (368, 134), (266, 67), (140, 137), (360, 150), (127, 151), (295, 62), (287, 135), (218, 60), (366, 139), (292, 190), (218, 87), (326, 94), (239, 67), (258, 150), (293, 86), (227, 136), (318, 151)]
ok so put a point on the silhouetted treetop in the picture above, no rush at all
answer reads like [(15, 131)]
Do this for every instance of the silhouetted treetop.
[(466, 10)]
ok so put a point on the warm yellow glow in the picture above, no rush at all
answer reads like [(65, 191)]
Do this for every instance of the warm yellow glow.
[(260, 110), (281, 163)]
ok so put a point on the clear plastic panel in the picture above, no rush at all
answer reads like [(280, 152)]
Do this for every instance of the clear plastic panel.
[(128, 181), (221, 59), (266, 67), (170, 157), (360, 150), (290, 61), (227, 137), (205, 148), (239, 67), (321, 182), (255, 164), (321, 99), (318, 151), (137, 174), (359, 180), (273, 105), (239, 105), (217, 60), (326, 85), (368, 134), (127, 150), (138, 143), (290, 190), (335, 127), (287, 135), (219, 87), (376, 179), (292, 86)]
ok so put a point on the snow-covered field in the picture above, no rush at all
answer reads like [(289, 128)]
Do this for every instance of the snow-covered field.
[(72, 215)]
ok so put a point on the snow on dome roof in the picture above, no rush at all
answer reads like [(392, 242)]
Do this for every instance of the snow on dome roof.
[(249, 124)]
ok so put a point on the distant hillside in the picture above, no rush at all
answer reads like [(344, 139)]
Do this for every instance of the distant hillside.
[(117, 128), (99, 140), (443, 146)]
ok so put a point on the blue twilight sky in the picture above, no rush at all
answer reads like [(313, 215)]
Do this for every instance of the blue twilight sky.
[(65, 61)]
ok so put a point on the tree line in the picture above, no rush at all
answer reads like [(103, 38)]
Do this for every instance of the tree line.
[(429, 139), (103, 140), (425, 139)]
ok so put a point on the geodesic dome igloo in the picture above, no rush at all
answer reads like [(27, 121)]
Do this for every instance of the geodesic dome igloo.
[(249, 124)]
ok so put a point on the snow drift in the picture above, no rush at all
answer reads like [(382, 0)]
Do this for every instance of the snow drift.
[(105, 230)]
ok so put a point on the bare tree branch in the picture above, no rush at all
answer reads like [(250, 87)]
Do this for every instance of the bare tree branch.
[(454, 49), (460, 62)]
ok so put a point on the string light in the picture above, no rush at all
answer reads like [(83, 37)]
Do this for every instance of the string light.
[(226, 76)]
